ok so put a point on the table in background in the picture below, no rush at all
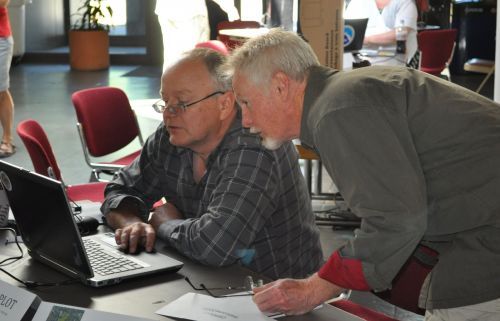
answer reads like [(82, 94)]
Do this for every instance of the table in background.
[(241, 35), (376, 60)]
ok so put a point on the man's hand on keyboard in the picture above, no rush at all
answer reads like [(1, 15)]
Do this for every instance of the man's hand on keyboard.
[(130, 231), (135, 236)]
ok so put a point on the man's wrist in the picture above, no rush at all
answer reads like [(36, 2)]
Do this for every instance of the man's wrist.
[(126, 204), (322, 290)]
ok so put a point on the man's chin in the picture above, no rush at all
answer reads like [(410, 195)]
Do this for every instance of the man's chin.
[(176, 141), (271, 143)]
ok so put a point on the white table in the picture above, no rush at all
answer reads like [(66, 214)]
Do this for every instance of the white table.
[(243, 34)]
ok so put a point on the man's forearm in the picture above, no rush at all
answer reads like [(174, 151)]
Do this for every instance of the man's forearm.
[(381, 38)]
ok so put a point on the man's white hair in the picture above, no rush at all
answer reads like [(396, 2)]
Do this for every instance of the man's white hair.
[(278, 50)]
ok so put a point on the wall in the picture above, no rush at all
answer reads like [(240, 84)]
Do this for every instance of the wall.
[(44, 25)]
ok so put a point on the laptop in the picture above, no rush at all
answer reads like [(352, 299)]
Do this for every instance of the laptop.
[(354, 34), (48, 228)]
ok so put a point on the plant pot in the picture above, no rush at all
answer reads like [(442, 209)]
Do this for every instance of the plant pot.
[(88, 49)]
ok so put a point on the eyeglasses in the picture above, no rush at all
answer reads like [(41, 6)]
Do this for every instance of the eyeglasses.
[(247, 286), (160, 106)]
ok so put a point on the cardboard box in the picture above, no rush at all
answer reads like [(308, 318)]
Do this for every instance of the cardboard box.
[(322, 25)]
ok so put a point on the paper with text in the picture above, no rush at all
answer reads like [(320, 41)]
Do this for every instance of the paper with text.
[(193, 306)]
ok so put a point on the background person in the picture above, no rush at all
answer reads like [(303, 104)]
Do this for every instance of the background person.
[(183, 25), (229, 200), (7, 148), (394, 13), (358, 9), (414, 156)]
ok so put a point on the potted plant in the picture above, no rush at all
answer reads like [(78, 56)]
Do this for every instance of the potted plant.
[(89, 38)]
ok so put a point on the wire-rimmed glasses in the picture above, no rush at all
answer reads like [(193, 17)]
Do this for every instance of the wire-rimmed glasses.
[(160, 105), (248, 285)]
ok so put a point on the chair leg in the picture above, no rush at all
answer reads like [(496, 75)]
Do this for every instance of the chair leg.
[(445, 74), (94, 176), (485, 79)]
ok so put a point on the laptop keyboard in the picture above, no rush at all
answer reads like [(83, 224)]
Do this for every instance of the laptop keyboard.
[(105, 263)]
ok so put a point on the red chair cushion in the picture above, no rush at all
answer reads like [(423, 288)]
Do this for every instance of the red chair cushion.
[(237, 24), (216, 45), (91, 191)]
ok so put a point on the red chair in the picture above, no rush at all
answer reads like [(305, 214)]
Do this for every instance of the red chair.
[(216, 45), (44, 162), (237, 24), (436, 47), (106, 125)]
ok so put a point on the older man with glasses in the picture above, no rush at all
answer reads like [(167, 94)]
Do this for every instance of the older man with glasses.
[(228, 199)]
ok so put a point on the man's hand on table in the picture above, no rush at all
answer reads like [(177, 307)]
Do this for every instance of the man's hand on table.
[(293, 297)]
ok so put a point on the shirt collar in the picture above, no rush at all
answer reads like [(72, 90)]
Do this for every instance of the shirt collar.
[(316, 83), (232, 134)]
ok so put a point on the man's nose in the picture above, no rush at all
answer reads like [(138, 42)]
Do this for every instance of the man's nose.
[(167, 115)]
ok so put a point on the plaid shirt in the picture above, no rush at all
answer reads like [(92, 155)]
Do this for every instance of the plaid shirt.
[(251, 206)]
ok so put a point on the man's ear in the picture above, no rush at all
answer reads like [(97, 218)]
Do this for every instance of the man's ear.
[(226, 103), (280, 85)]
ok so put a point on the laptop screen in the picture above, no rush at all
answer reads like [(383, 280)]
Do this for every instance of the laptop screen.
[(44, 218), (354, 34)]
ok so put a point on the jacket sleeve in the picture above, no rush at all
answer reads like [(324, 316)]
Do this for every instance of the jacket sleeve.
[(371, 156)]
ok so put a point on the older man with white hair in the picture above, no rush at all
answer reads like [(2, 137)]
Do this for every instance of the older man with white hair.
[(415, 157)]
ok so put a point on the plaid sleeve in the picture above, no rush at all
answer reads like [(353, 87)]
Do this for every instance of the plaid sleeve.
[(244, 194), (147, 178)]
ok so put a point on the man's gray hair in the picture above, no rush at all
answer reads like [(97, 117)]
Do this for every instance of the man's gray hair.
[(214, 61), (278, 50)]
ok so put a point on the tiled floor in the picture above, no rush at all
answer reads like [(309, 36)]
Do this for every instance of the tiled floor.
[(43, 92)]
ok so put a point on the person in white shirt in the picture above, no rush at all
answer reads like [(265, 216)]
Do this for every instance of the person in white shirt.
[(393, 13), (358, 9), (183, 25)]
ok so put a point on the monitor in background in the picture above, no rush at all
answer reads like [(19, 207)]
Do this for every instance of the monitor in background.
[(354, 34)]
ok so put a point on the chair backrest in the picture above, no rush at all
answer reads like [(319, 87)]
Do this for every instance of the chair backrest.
[(107, 121), (39, 148), (236, 24), (216, 45), (436, 48)]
